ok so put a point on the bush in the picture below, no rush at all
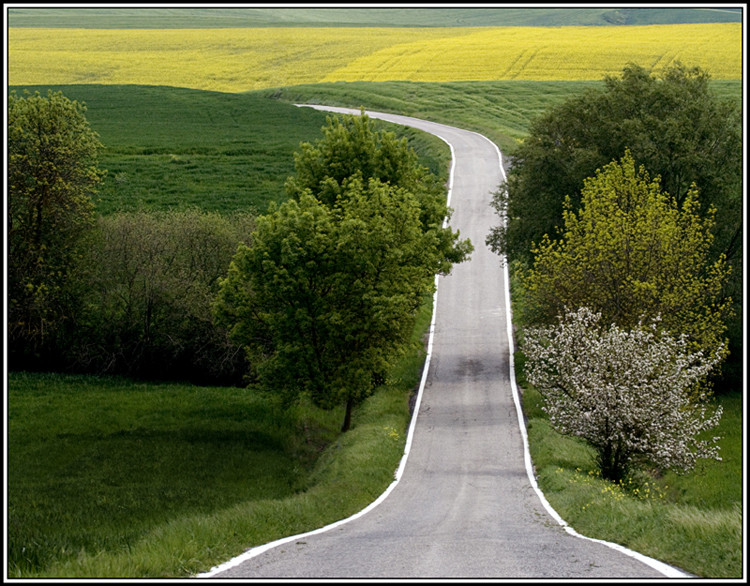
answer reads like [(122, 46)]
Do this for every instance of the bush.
[(627, 393), (151, 281)]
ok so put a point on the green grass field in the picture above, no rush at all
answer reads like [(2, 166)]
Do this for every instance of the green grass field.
[(97, 463), (113, 478), (172, 148), (501, 110)]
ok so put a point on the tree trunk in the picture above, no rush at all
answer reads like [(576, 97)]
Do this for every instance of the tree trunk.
[(348, 417)]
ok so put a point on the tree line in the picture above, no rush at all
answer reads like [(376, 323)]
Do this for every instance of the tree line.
[(126, 294), (622, 221), (316, 297)]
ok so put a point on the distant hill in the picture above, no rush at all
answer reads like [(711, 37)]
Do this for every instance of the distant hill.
[(407, 17)]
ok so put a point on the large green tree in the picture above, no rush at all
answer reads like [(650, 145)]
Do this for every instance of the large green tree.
[(324, 298), (52, 175), (632, 252), (327, 293), (673, 125)]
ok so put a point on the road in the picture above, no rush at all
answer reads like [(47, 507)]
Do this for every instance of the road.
[(465, 504)]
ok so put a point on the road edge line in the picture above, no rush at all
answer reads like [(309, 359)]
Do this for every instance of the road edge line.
[(257, 550), (664, 568)]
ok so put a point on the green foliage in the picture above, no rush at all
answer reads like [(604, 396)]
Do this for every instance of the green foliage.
[(325, 297), (327, 293), (150, 286), (674, 126), (52, 175), (147, 276), (352, 148), (633, 254)]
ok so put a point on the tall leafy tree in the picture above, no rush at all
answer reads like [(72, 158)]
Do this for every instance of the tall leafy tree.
[(327, 293), (52, 175), (673, 124), (325, 298), (632, 252)]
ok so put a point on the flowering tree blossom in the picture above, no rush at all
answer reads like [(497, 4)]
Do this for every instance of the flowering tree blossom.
[(626, 392)]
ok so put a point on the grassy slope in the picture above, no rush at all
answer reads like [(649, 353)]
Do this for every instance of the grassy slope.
[(98, 462), (172, 147), (693, 521), (501, 110), (110, 478), (252, 17)]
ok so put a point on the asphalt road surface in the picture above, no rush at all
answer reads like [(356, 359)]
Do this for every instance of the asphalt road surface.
[(464, 505)]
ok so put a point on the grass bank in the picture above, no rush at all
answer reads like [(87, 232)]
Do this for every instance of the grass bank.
[(175, 148), (692, 521), (111, 478), (501, 110)]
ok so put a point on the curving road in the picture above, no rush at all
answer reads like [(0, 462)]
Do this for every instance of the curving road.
[(465, 504)]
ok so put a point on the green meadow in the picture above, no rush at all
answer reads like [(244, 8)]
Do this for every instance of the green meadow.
[(174, 148)]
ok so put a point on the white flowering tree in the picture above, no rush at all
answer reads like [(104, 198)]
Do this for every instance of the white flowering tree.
[(626, 392)]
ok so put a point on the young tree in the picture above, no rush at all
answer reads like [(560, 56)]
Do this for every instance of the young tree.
[(632, 252), (626, 392), (352, 147), (52, 174), (327, 293), (324, 298)]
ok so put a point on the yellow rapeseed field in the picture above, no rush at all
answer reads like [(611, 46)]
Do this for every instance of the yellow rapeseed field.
[(553, 53), (254, 58)]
